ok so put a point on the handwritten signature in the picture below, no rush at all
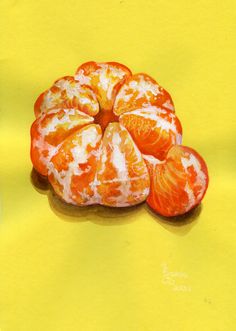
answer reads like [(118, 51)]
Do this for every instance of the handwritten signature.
[(176, 280)]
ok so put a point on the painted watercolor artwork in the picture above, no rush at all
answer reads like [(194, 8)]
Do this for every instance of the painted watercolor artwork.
[(117, 165), (109, 137)]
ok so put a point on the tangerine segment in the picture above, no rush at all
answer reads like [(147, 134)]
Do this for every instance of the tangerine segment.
[(140, 90), (49, 130), (122, 175), (104, 78), (67, 92), (73, 167), (177, 184), (154, 130)]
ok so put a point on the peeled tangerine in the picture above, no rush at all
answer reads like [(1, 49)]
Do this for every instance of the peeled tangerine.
[(105, 136)]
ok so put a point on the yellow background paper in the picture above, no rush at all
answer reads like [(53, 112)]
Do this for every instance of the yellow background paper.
[(61, 270)]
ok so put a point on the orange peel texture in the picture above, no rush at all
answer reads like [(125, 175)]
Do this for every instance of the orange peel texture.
[(106, 136)]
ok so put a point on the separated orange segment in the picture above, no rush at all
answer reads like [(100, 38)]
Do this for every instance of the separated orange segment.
[(122, 175), (72, 169), (140, 90), (67, 92), (154, 130), (49, 130), (105, 79), (177, 184)]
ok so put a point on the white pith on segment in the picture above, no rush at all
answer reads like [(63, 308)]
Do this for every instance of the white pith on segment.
[(71, 119), (42, 145), (153, 113), (68, 92), (201, 180), (103, 79), (191, 196), (89, 136), (118, 160), (143, 87), (68, 118)]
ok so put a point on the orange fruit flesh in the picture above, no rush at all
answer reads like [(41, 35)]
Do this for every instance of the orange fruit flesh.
[(141, 90), (111, 171), (154, 130), (72, 169), (50, 130), (177, 184), (66, 92), (122, 173), (104, 78), (102, 162)]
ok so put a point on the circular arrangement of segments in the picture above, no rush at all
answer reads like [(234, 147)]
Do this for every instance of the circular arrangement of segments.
[(107, 136)]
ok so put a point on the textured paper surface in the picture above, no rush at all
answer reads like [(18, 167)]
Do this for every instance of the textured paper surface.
[(119, 271)]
